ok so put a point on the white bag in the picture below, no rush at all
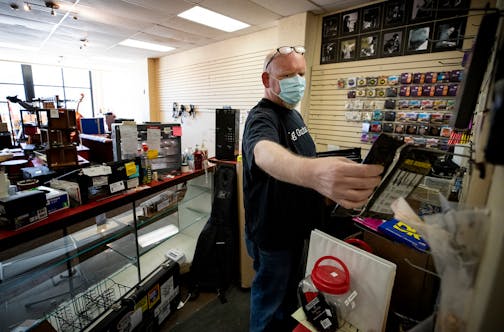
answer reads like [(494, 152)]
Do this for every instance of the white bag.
[(371, 276)]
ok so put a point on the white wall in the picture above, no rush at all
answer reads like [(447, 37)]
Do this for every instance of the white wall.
[(122, 91), (223, 73)]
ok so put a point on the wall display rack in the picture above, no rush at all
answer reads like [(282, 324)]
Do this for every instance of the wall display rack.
[(415, 107), (72, 268), (393, 28)]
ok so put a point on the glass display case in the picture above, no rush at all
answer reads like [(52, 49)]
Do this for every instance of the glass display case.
[(72, 280)]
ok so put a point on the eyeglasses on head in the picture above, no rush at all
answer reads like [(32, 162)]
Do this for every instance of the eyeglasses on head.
[(284, 50)]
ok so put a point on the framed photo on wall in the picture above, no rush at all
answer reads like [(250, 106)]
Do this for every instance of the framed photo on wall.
[(421, 10), (371, 18), (392, 42), (329, 52), (369, 46), (419, 38), (330, 26), (449, 35), (394, 13), (348, 49), (451, 8), (350, 22)]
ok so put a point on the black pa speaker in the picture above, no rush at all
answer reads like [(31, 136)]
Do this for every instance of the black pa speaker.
[(227, 130)]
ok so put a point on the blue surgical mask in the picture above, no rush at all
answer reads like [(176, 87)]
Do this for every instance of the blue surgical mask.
[(291, 89)]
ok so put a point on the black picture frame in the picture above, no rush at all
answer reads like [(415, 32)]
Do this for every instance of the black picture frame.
[(371, 18), (452, 8), (369, 46), (329, 52), (348, 49), (394, 13), (350, 22), (418, 38), (392, 42), (449, 34), (330, 26), (421, 10)]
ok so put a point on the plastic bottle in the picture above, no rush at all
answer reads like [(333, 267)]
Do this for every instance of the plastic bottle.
[(4, 185), (204, 152), (198, 158), (146, 165), (190, 158)]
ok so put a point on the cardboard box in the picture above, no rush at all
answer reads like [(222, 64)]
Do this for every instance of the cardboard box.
[(23, 208), (71, 188), (56, 199)]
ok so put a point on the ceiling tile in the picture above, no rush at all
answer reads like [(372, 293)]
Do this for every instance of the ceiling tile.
[(287, 7), (242, 10)]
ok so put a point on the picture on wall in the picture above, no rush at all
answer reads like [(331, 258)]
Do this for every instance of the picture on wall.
[(371, 18), (394, 28), (350, 23), (451, 8), (421, 10), (329, 52), (348, 49), (330, 26), (395, 13), (392, 42), (418, 39), (449, 35), (368, 46)]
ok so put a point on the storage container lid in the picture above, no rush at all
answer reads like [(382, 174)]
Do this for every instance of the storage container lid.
[(329, 278)]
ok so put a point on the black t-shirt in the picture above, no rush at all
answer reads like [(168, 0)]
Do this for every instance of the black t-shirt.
[(278, 214)]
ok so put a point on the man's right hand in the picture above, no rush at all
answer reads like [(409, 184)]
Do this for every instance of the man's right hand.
[(342, 180)]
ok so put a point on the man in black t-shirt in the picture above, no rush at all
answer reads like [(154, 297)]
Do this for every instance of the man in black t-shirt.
[(284, 186)]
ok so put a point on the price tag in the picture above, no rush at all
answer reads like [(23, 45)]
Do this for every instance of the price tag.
[(54, 114), (101, 219)]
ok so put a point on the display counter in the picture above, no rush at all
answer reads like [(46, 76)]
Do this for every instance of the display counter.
[(64, 218), (71, 269)]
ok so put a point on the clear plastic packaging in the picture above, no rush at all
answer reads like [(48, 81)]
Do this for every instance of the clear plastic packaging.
[(326, 295)]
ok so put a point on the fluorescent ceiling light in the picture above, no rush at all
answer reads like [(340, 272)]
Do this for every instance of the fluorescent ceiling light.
[(145, 45), (19, 47), (212, 19)]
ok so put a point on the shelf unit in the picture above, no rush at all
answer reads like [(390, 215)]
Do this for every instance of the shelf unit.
[(72, 280)]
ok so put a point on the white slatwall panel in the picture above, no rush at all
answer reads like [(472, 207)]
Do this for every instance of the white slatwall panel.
[(326, 115), (234, 81), (210, 84)]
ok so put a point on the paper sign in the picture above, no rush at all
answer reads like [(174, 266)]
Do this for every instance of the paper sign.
[(54, 114), (154, 138), (152, 154), (177, 131), (129, 141), (130, 168)]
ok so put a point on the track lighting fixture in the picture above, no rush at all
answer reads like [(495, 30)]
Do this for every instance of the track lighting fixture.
[(52, 5), (84, 43), (27, 6)]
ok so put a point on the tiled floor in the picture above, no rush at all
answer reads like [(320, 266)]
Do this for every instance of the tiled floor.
[(190, 307), (206, 313)]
